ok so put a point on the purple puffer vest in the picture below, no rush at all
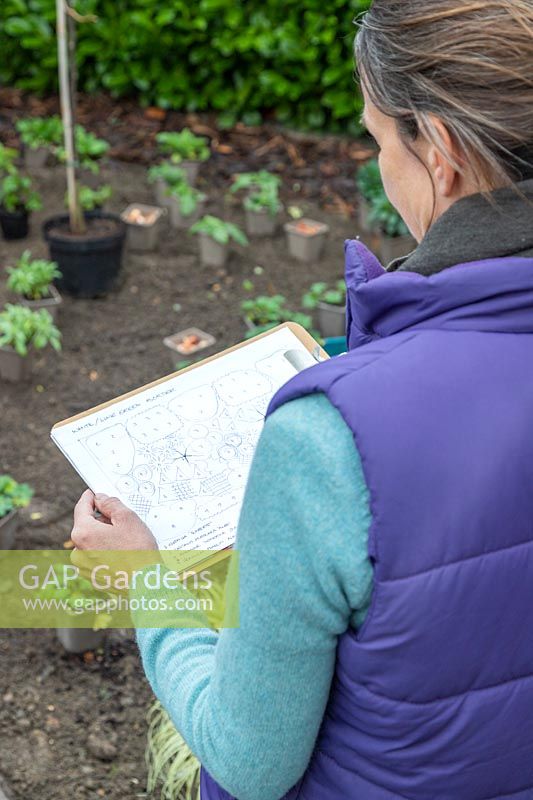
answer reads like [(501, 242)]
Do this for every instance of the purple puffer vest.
[(433, 697)]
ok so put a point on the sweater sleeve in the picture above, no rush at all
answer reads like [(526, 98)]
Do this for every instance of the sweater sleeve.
[(249, 702)]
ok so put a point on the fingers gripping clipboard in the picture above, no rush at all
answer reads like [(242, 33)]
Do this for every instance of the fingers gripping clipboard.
[(178, 451)]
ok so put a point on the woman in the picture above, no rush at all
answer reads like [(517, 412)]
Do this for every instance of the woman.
[(386, 537)]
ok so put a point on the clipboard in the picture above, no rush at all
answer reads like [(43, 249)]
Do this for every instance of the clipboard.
[(201, 482)]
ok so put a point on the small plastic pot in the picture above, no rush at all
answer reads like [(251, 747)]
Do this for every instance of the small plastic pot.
[(8, 529), (175, 342), (52, 303), (79, 640), (306, 245), (35, 158), (331, 320), (260, 223), (191, 169), (14, 224), (177, 219), (363, 213), (142, 237), (15, 368), (212, 253), (396, 247), (90, 264)]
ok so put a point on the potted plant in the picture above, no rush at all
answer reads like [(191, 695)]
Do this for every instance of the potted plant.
[(330, 304), (13, 496), (17, 201), (265, 312), (32, 279), (164, 176), (369, 184), (90, 150), (39, 135), (186, 204), (396, 241), (215, 237), (23, 331), (262, 203), (143, 225), (88, 246), (8, 156), (185, 149), (306, 239), (74, 595)]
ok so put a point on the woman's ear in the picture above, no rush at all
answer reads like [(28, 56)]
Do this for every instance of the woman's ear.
[(441, 160)]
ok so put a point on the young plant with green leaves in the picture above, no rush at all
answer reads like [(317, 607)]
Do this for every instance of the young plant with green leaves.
[(263, 191), (89, 150), (22, 329), (16, 193), (91, 199), (38, 132), (385, 217), (322, 293), (368, 180), (265, 312), (8, 155), (75, 594), (32, 278), (167, 172), (187, 197), (183, 146), (219, 230), (13, 495)]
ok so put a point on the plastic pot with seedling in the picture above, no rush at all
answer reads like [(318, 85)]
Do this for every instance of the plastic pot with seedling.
[(13, 497), (77, 598), (265, 312), (8, 156), (17, 201), (186, 204), (306, 239), (262, 204), (143, 226), (215, 236), (369, 184), (185, 149), (330, 306), (164, 177), (39, 136), (22, 333), (32, 280), (396, 241)]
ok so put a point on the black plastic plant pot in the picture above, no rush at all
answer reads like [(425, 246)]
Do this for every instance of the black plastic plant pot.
[(14, 224), (90, 264)]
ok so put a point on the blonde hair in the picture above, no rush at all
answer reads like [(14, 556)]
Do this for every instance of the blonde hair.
[(470, 64)]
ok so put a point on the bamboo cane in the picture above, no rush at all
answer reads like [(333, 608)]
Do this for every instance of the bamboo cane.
[(77, 222)]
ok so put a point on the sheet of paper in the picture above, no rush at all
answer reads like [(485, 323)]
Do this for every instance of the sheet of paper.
[(179, 453)]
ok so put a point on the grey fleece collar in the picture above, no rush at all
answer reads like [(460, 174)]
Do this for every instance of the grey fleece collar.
[(474, 229)]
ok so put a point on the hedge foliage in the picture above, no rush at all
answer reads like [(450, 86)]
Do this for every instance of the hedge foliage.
[(240, 57)]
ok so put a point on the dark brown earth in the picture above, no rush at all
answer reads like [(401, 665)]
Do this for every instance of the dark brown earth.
[(55, 705)]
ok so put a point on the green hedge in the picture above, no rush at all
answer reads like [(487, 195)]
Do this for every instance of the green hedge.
[(237, 56)]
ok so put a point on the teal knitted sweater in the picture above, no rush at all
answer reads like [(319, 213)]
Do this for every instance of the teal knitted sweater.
[(249, 701)]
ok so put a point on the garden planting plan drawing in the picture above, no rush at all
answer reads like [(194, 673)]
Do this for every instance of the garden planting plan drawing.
[(178, 453)]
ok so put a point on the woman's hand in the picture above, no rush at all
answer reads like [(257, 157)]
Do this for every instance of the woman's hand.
[(119, 529)]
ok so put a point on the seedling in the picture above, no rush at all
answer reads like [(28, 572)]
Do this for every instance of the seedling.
[(38, 132), (22, 329), (368, 180), (220, 231), (31, 278), (16, 193), (169, 173), (89, 150), (265, 312), (91, 199), (7, 159), (184, 146), (322, 293), (386, 218), (13, 495), (186, 197)]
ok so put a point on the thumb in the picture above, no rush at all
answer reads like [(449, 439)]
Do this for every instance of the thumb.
[(110, 507)]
